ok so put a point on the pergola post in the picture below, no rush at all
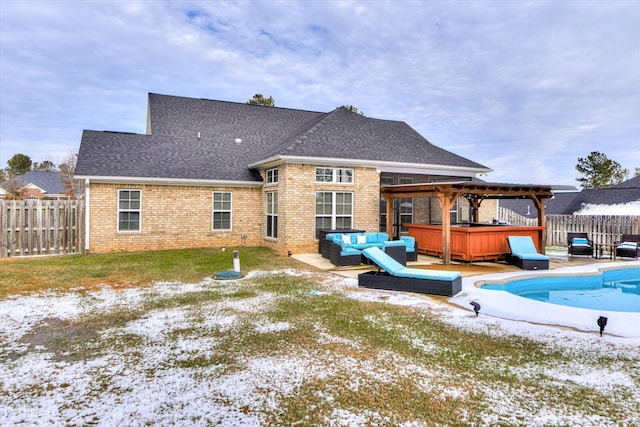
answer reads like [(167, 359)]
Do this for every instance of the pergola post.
[(542, 238), (445, 204), (390, 217)]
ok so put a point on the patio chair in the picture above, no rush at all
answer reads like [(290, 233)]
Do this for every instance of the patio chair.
[(629, 246), (397, 277), (579, 244), (525, 255)]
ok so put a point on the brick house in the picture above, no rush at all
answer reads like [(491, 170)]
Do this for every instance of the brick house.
[(36, 185), (212, 173)]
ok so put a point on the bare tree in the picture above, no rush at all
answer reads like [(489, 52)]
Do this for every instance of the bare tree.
[(72, 187)]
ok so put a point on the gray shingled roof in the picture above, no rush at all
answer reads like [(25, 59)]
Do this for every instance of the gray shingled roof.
[(345, 134), (174, 150), (50, 182), (630, 183)]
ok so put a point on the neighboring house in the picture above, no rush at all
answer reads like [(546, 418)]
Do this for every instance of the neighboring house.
[(621, 199), (36, 185), (213, 173)]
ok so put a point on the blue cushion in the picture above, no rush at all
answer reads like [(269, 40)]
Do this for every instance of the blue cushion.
[(579, 241), (418, 273), (377, 237), (394, 268), (367, 245), (383, 260), (349, 251), (521, 244), (523, 248), (531, 256), (632, 245), (410, 242), (393, 243)]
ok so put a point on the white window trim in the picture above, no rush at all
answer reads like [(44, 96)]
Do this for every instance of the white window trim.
[(213, 211), (333, 207), (267, 215), (118, 210), (266, 176), (334, 176)]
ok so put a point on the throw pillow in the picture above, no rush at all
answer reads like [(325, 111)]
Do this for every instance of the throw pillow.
[(346, 239), (361, 239)]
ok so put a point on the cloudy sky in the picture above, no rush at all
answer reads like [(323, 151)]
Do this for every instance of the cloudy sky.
[(525, 88)]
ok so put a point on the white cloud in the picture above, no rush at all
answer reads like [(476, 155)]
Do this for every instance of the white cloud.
[(500, 83)]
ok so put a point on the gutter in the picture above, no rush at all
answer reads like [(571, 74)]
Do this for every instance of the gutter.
[(87, 212), (382, 166), (169, 181)]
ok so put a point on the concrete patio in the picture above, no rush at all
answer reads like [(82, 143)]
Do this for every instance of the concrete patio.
[(557, 260)]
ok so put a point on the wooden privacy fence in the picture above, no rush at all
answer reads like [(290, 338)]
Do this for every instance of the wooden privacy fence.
[(41, 227), (600, 228), (510, 217)]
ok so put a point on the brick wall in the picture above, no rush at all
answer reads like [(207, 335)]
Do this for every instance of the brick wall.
[(180, 216), (297, 189), (172, 217)]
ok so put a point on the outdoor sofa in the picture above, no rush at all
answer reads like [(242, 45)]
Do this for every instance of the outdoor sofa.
[(325, 244), (629, 246), (525, 255), (346, 248), (397, 277), (579, 244)]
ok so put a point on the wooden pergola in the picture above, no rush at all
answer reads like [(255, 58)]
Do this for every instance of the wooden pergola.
[(448, 192)]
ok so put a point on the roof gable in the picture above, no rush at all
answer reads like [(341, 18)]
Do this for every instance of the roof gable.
[(345, 134)]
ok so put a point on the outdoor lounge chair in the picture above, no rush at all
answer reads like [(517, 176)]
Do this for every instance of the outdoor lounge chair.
[(629, 246), (525, 255), (397, 277), (579, 244)]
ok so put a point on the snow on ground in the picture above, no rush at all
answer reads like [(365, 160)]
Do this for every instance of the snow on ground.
[(110, 390)]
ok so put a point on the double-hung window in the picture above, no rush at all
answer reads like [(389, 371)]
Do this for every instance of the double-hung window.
[(272, 176), (334, 209), (272, 214), (129, 205), (221, 210)]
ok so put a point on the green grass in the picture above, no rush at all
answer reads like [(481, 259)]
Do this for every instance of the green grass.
[(24, 275), (390, 364)]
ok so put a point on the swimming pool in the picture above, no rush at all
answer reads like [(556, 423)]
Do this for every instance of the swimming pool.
[(616, 289)]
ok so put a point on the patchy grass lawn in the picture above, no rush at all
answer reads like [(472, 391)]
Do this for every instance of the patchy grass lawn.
[(151, 339)]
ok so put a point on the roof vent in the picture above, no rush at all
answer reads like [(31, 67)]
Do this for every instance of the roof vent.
[(238, 141), (198, 135)]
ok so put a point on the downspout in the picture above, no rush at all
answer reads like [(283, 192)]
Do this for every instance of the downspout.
[(87, 211)]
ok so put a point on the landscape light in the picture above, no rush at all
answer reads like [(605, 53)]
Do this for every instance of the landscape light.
[(602, 322), (476, 307)]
